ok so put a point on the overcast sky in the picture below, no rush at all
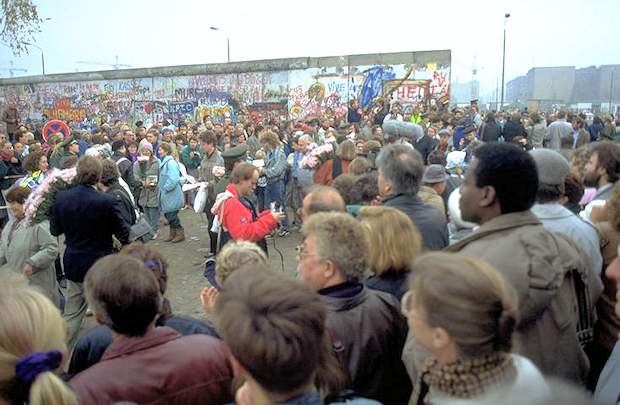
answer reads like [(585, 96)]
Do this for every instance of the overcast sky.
[(146, 33)]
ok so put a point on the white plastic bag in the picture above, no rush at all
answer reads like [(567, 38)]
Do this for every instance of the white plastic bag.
[(215, 226), (201, 199)]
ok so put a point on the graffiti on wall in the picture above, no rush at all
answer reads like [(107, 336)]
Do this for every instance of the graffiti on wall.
[(64, 111), (320, 91), (295, 94), (183, 98), (317, 91)]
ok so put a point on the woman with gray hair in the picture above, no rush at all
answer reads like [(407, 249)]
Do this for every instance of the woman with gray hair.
[(400, 173)]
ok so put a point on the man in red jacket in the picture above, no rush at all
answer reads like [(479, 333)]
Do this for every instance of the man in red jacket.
[(237, 213)]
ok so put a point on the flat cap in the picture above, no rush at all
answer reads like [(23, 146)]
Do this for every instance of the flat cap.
[(434, 174), (552, 166)]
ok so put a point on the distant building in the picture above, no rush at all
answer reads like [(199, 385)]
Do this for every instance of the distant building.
[(463, 93), (587, 88), (517, 90)]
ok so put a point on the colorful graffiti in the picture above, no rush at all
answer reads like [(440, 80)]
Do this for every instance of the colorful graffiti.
[(315, 92), (64, 111), (296, 93)]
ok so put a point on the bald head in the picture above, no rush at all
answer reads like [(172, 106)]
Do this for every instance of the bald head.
[(322, 199)]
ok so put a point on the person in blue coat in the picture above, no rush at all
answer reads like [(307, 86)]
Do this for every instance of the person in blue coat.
[(170, 192)]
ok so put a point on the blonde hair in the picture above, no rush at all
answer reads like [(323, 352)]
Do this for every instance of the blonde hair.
[(236, 254), (30, 323), (467, 298), (394, 239)]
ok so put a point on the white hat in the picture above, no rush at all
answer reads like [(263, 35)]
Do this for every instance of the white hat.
[(455, 159), (455, 211)]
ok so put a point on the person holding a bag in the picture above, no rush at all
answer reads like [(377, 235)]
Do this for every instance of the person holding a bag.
[(110, 184), (146, 171), (170, 193), (237, 214)]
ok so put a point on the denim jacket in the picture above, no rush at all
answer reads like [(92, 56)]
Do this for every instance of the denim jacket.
[(275, 165)]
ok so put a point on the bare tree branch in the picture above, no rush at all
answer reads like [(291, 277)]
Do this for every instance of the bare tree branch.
[(19, 22)]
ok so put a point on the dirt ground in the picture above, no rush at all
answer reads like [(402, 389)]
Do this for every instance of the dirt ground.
[(186, 259)]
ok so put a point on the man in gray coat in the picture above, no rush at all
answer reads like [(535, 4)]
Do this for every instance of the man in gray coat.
[(552, 171), (400, 173), (211, 158), (556, 289), (557, 130)]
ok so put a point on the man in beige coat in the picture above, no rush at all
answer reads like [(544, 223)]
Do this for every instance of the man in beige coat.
[(546, 268), (434, 183)]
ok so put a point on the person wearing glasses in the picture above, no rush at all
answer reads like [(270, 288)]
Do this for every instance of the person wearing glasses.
[(366, 324)]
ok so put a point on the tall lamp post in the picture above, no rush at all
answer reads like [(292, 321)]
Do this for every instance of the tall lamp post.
[(42, 56), (227, 41), (506, 16)]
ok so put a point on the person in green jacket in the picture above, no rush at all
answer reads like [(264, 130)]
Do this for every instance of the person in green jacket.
[(191, 156), (68, 148)]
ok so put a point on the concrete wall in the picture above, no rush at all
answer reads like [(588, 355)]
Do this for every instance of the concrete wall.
[(297, 88)]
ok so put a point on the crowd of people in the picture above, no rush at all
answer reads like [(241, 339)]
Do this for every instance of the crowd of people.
[(446, 256)]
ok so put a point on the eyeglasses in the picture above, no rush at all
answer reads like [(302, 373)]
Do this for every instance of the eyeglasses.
[(300, 252)]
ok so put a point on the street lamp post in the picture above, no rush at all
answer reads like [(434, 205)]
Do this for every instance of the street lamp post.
[(506, 16), (42, 56), (227, 41), (611, 90)]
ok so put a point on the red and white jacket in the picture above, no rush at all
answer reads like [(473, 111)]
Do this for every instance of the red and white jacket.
[(239, 222)]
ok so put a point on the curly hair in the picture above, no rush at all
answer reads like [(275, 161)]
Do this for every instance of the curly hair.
[(236, 254)]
